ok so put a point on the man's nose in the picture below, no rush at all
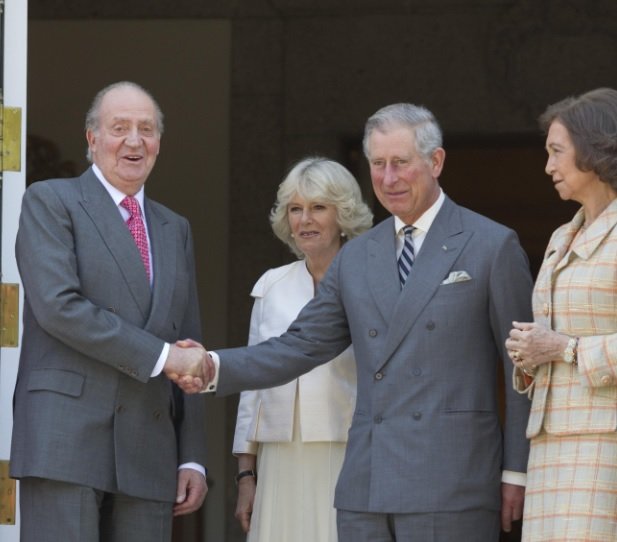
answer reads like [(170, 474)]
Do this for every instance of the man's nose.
[(133, 137), (389, 174)]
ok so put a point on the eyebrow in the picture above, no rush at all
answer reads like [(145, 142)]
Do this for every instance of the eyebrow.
[(128, 119)]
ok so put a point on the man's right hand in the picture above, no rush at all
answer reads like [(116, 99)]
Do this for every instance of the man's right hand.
[(190, 378), (186, 365)]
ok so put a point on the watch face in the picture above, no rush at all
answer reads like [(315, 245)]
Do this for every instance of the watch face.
[(569, 352)]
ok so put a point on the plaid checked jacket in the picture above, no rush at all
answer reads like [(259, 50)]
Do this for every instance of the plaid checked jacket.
[(576, 294)]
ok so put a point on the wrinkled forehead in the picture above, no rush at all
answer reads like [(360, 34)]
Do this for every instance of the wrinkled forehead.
[(392, 138), (127, 103)]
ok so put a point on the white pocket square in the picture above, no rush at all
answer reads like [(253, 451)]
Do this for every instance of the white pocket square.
[(456, 276)]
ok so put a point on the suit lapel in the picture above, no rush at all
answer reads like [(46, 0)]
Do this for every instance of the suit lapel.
[(383, 268), (560, 245), (564, 248), (595, 234), (443, 245), (116, 237), (164, 261)]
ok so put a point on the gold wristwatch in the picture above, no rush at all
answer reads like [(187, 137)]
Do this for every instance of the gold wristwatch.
[(569, 354)]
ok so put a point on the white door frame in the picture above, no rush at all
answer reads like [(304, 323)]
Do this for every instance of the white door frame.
[(14, 51)]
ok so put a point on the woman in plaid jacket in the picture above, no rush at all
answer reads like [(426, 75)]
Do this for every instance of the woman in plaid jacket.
[(566, 360)]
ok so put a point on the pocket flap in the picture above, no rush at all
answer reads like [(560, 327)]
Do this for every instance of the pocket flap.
[(66, 382)]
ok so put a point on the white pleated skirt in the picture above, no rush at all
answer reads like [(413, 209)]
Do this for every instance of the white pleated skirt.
[(295, 490)]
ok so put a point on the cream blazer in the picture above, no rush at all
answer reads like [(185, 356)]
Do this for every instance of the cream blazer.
[(576, 294), (326, 395)]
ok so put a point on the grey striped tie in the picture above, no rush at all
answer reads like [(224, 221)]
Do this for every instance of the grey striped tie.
[(405, 260)]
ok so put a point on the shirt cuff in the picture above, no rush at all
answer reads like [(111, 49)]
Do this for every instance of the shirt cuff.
[(514, 478), (160, 364), (195, 466), (211, 387)]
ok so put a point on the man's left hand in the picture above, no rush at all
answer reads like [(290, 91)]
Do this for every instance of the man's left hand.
[(191, 492), (512, 499)]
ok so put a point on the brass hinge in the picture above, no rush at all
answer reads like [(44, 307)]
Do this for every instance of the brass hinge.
[(7, 495), (9, 314), (10, 138)]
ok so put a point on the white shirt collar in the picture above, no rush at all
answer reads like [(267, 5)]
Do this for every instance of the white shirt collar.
[(116, 194), (424, 222)]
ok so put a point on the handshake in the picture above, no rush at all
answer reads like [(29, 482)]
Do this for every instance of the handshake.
[(189, 366)]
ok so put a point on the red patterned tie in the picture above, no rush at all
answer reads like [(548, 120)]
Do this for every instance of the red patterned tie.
[(137, 229)]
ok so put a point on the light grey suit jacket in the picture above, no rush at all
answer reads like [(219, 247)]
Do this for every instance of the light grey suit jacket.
[(86, 409), (426, 434)]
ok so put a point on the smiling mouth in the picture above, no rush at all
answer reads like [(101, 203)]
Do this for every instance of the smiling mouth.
[(308, 234), (133, 158)]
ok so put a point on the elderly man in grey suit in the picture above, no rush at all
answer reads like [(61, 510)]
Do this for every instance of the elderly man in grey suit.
[(106, 447), (427, 459)]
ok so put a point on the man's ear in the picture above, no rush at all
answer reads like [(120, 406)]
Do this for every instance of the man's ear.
[(91, 139), (437, 161)]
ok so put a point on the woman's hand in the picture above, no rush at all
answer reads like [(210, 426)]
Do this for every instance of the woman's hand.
[(247, 486), (246, 498), (530, 345)]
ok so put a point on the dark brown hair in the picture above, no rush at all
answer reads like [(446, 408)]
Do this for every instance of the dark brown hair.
[(591, 121)]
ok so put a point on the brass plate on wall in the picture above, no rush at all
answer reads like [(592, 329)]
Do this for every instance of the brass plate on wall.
[(9, 314), (8, 494), (10, 118)]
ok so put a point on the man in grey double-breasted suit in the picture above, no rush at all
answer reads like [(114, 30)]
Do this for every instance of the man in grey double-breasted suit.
[(105, 447), (427, 459)]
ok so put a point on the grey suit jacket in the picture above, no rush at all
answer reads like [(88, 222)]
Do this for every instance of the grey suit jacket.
[(86, 409), (426, 434)]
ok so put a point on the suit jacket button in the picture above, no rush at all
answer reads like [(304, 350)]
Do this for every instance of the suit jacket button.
[(378, 419), (430, 325), (606, 380), (417, 415), (157, 414), (372, 333), (378, 376), (417, 371), (119, 409)]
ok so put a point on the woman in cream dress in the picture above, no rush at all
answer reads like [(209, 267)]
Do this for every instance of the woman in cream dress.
[(290, 440), (567, 359)]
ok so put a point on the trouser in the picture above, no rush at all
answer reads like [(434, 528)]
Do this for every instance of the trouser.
[(61, 512)]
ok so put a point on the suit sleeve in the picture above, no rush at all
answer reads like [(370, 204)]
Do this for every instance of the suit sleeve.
[(510, 294), (319, 334)]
